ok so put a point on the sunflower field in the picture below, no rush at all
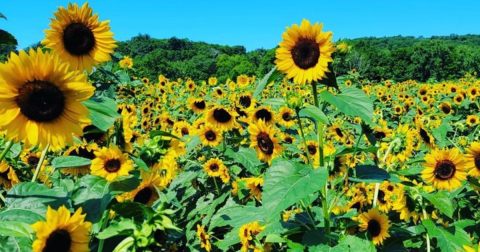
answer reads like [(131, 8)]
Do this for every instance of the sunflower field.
[(95, 158)]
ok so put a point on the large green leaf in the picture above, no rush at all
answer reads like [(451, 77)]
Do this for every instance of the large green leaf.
[(93, 194), (7, 39), (314, 112), (236, 216), (15, 244), (352, 101), (70, 161), (287, 183), (452, 239), (441, 201), (124, 184), (269, 77), (103, 112), (247, 157), (15, 229), (370, 174), (122, 227)]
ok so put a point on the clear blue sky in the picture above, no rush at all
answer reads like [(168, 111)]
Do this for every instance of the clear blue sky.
[(253, 24)]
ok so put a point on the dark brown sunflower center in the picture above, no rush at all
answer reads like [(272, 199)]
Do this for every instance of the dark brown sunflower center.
[(4, 175), (477, 161), (92, 133), (390, 188), (445, 170), (185, 131), (112, 165), (312, 149), (381, 197), (145, 110), (357, 206), (379, 135), (265, 143), (374, 228), (221, 115), (339, 132), (240, 112), (210, 135), (445, 109), (40, 101), (288, 140), (245, 101), (143, 196), (219, 92), (58, 241), (425, 136), (214, 167), (170, 122), (32, 160), (423, 92), (78, 39), (264, 114), (200, 104), (83, 152), (286, 117), (306, 53)]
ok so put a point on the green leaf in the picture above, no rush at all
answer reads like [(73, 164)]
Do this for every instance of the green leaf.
[(92, 193), (124, 184), (123, 227), (7, 39), (140, 163), (274, 101), (269, 77), (352, 101), (356, 244), (236, 216), (103, 112), (155, 133), (447, 240), (15, 229), (313, 237), (15, 244), (210, 209), (133, 210), (370, 174), (286, 183), (70, 161), (247, 157), (124, 246), (315, 113), (441, 201)]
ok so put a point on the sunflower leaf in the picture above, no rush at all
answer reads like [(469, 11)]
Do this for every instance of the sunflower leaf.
[(286, 183), (15, 244), (451, 239), (370, 174), (155, 133), (123, 227), (15, 229), (269, 77), (247, 157), (103, 112), (69, 162), (7, 39), (92, 193), (441, 201), (352, 101), (314, 112)]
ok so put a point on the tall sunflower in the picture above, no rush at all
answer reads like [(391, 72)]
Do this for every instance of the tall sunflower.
[(262, 138), (305, 52), (41, 101), (62, 232), (375, 223), (445, 168), (110, 163), (79, 38)]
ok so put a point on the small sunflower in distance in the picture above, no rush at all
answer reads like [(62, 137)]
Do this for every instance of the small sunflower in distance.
[(62, 232), (79, 38), (204, 238), (110, 163), (305, 52), (41, 101), (375, 223), (262, 138), (445, 168)]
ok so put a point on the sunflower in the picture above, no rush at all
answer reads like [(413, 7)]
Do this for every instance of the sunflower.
[(93, 134), (472, 120), (375, 223), (425, 136), (209, 135), (126, 62), (146, 193), (167, 169), (256, 187), (84, 150), (246, 101), (79, 38), (214, 167), (305, 52), (8, 176), (473, 160), (337, 132), (458, 99), (204, 238), (190, 85), (182, 129), (445, 168), (262, 138), (263, 113), (221, 118), (212, 81), (62, 232), (198, 105), (110, 163), (398, 109), (445, 108), (286, 117), (41, 101)]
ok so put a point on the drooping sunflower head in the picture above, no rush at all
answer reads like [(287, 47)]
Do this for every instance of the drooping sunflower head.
[(262, 138), (375, 223), (204, 238), (79, 38), (445, 108), (305, 52), (110, 163), (445, 168), (62, 232), (41, 100)]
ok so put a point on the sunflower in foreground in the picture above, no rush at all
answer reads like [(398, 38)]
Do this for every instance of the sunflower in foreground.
[(445, 168), (110, 163), (41, 101), (262, 138), (375, 223), (305, 52), (79, 38), (62, 232)]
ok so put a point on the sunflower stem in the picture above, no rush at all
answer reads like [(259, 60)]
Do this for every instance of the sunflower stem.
[(216, 185), (303, 138), (427, 238), (5, 151), (309, 212), (2, 198), (104, 224), (40, 162), (375, 195)]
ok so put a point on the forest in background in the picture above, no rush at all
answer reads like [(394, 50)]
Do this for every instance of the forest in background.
[(399, 58)]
